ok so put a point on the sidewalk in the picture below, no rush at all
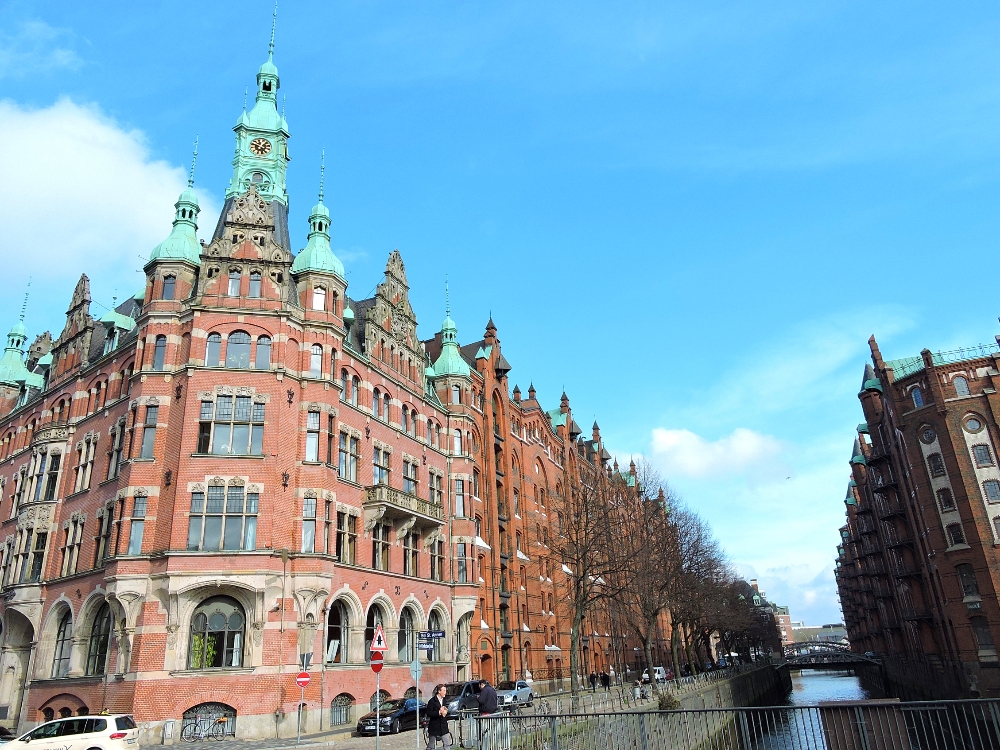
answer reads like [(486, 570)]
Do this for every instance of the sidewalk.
[(323, 741)]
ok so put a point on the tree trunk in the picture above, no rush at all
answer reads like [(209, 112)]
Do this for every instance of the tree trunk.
[(692, 661), (675, 652), (648, 648)]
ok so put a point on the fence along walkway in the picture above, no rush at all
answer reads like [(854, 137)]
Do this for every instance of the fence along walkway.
[(870, 725)]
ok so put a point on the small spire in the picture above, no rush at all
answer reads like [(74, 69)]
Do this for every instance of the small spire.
[(194, 160), (322, 172), (24, 305), (274, 22), (246, 89), (447, 298), (284, 101)]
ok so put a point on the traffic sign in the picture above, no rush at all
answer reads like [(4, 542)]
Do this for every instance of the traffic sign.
[(425, 645), (416, 669), (302, 679), (378, 640), (376, 661)]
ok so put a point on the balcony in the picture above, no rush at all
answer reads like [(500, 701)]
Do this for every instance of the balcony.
[(916, 613), (391, 503)]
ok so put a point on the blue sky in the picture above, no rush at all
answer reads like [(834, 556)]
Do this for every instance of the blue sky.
[(691, 216)]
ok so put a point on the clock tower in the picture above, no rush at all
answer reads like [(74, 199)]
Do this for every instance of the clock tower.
[(261, 158)]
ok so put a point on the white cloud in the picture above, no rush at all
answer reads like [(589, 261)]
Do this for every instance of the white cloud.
[(36, 47), (683, 453), (80, 194)]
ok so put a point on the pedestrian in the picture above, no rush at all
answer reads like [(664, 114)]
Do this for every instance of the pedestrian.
[(437, 720), (487, 706), (593, 681), (605, 680)]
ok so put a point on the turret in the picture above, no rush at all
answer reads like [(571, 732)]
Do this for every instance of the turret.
[(318, 272), (173, 264)]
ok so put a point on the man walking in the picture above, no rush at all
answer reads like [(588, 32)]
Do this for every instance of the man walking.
[(593, 681), (605, 680), (437, 720), (487, 707)]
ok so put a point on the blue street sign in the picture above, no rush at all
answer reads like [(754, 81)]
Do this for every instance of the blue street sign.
[(437, 634)]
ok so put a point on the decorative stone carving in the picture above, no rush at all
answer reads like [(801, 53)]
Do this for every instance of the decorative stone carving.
[(171, 636), (258, 632), (237, 482), (140, 492), (217, 482)]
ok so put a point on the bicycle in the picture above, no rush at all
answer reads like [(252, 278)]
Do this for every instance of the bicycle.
[(543, 707), (204, 728)]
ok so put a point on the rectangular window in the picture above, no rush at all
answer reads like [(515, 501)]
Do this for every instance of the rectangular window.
[(195, 520), (309, 524), (312, 436), (967, 577), (71, 552), (225, 520), (255, 285), (380, 466), (149, 431), (231, 426), (52, 478), (437, 560), (991, 488), (436, 493), (234, 284), (460, 498), (117, 442), (347, 537), (982, 455), (38, 557), (349, 457), (330, 435), (955, 534), (135, 531), (409, 478), (39, 476), (936, 464), (411, 555), (104, 536), (463, 569), (380, 546)]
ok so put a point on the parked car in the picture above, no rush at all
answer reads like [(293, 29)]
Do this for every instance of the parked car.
[(6, 735), (114, 732), (514, 692), (658, 672), (459, 696), (394, 716)]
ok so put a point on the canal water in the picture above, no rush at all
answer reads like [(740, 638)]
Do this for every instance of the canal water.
[(811, 686)]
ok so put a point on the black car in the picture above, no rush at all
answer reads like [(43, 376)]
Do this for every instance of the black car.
[(395, 716)]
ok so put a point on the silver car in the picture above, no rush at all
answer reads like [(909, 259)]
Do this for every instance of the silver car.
[(514, 692)]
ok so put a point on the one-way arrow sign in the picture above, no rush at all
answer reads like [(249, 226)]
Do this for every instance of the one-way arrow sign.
[(378, 640)]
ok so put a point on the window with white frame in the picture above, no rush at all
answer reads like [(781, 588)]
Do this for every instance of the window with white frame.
[(319, 298), (149, 432), (380, 466), (316, 361), (136, 526), (347, 538), (233, 289), (223, 520), (461, 555), (312, 436), (380, 546), (410, 481), (262, 359), (350, 456), (255, 279), (436, 482), (231, 426), (238, 350), (71, 548), (457, 448), (309, 524), (437, 560), (411, 554), (377, 403), (460, 498)]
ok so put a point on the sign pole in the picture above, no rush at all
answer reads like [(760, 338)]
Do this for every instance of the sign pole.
[(378, 705), (302, 699)]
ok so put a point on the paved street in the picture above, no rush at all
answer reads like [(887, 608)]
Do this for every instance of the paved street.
[(401, 741)]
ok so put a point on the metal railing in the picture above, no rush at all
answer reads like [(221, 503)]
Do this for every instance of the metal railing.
[(867, 725)]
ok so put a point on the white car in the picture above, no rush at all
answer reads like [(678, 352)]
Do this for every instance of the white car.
[(113, 732)]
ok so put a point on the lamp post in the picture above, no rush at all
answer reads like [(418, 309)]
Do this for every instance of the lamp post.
[(584, 644)]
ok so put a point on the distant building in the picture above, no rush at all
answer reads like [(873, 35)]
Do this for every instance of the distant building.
[(918, 571), (784, 622), (824, 633)]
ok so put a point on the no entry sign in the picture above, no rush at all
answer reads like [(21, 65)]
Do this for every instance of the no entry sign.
[(376, 661), (302, 679)]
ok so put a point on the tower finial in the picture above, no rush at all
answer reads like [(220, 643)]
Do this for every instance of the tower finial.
[(194, 160), (274, 22), (447, 298), (322, 172), (284, 101), (24, 305), (245, 90)]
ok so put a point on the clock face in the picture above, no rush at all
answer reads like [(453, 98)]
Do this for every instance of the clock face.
[(260, 146)]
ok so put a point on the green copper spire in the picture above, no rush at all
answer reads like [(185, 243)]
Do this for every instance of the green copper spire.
[(317, 255), (12, 369), (450, 361), (182, 244), (262, 137)]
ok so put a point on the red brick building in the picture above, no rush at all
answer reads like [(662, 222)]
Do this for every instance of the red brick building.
[(242, 464), (918, 571)]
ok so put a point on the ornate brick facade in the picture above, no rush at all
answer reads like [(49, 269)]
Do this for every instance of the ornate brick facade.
[(242, 464)]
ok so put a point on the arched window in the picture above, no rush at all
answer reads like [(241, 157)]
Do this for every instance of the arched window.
[(212, 348), (316, 361), (340, 709), (338, 628), (386, 407), (458, 443), (434, 623), (263, 361), (100, 637), (378, 699), (64, 643), (375, 617), (159, 352), (404, 420), (961, 386), (319, 298), (217, 634), (406, 640), (355, 386), (168, 287), (918, 397), (254, 284), (377, 403), (413, 424), (496, 415), (238, 350), (456, 394), (343, 385)]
